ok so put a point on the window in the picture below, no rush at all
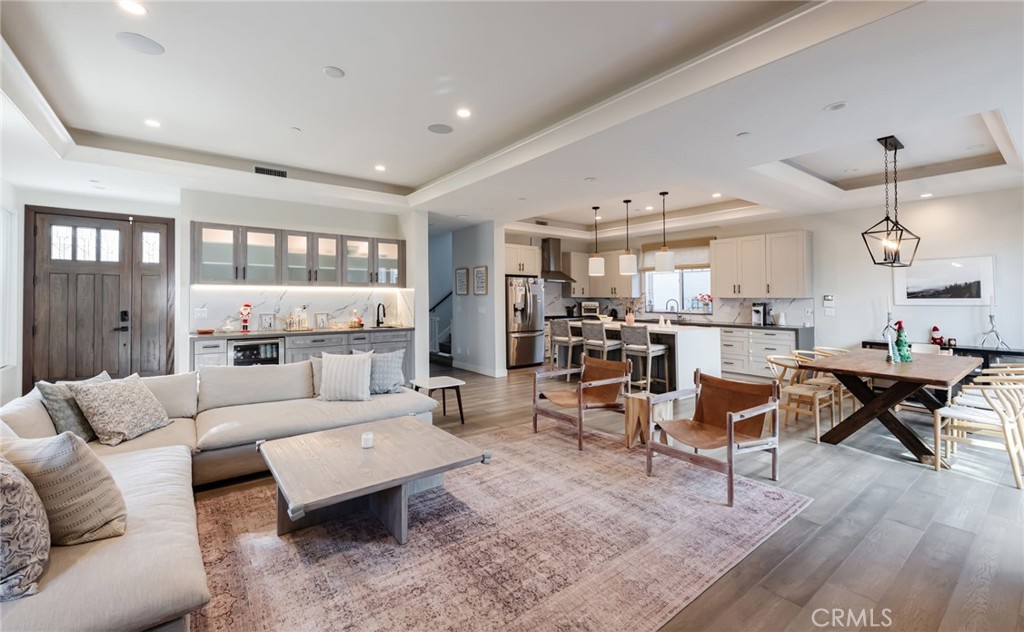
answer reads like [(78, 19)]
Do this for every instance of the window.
[(150, 247), (110, 245), (679, 290), (60, 242)]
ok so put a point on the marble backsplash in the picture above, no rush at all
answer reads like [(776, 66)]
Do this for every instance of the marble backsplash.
[(222, 305)]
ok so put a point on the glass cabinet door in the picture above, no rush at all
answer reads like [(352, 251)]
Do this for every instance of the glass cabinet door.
[(357, 261), (326, 268), (216, 254), (297, 269), (259, 264), (388, 262)]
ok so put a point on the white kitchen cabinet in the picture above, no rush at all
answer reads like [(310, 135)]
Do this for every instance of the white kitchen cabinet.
[(752, 267), (725, 268), (521, 259), (788, 265), (576, 265)]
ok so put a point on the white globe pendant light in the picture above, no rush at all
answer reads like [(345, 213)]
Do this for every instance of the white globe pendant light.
[(627, 262), (595, 265), (664, 259)]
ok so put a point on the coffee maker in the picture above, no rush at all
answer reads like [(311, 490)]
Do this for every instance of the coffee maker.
[(759, 314)]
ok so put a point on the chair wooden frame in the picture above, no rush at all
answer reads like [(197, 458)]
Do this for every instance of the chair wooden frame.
[(839, 392), (646, 355), (582, 398), (800, 398), (729, 441)]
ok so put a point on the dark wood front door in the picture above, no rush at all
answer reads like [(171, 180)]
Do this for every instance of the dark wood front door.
[(101, 295)]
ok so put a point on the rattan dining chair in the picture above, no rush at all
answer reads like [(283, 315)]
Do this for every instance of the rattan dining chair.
[(799, 398), (818, 378)]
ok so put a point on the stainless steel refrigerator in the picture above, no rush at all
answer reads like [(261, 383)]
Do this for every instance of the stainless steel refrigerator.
[(524, 319)]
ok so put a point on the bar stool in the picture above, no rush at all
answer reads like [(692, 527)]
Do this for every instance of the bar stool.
[(561, 336), (595, 338), (636, 340)]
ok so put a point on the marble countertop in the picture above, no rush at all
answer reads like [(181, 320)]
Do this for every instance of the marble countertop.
[(654, 323), (276, 333)]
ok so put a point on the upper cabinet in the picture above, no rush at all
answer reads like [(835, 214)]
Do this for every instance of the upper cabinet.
[(613, 284), (371, 261), (235, 255), (521, 259), (243, 255), (575, 264), (776, 265)]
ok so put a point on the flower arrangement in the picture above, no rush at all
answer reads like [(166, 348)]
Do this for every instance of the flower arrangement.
[(705, 301), (633, 304)]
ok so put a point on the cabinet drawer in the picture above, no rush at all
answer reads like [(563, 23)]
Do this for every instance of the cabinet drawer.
[(302, 342), (760, 368), (200, 347), (735, 346), (783, 337), (359, 339), (762, 349), (210, 359), (734, 364), (390, 336), (734, 333), (298, 355)]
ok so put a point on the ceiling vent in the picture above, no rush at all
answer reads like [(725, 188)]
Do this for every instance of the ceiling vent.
[(540, 222), (267, 171)]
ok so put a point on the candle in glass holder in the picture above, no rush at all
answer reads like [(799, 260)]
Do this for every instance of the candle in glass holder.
[(367, 440)]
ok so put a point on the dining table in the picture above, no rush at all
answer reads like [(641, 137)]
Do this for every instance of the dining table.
[(908, 379)]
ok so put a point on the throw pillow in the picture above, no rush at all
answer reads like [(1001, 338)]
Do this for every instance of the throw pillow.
[(318, 369), (345, 377), (120, 410), (64, 410), (386, 371), (82, 501), (24, 534)]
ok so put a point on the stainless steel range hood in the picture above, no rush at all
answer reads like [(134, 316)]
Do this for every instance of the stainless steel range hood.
[(551, 262)]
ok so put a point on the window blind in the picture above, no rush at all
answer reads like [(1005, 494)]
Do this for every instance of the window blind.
[(694, 253)]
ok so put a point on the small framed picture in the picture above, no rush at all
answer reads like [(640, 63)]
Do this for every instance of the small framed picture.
[(266, 322), (322, 320), (480, 280), (462, 281)]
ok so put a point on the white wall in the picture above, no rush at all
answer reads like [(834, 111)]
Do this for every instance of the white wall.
[(978, 224), (478, 322), (441, 276), (12, 250), (414, 227)]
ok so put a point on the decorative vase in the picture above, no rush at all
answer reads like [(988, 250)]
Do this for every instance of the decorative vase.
[(630, 318)]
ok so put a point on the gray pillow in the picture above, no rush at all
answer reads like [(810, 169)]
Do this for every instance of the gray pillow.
[(24, 534), (345, 378), (82, 501), (120, 410), (386, 371), (64, 410)]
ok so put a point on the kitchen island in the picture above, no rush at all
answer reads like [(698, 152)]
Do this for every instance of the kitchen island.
[(690, 347)]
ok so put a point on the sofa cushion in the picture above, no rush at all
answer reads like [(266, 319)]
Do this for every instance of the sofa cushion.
[(24, 533), (385, 371), (177, 393), (27, 416), (64, 410), (120, 410), (239, 425), (81, 499), (150, 575), (221, 386), (345, 377), (178, 432)]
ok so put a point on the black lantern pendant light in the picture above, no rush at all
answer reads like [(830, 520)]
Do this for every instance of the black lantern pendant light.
[(889, 242)]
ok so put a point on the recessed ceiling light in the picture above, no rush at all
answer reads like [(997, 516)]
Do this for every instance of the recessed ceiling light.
[(333, 72), (440, 128), (716, 195), (850, 170), (135, 8), (139, 43), (742, 134), (462, 216), (463, 113), (589, 179), (380, 168), (152, 123), (835, 107), (927, 195), (648, 208)]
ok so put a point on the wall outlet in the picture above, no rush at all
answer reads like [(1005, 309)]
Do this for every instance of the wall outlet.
[(830, 311), (808, 312), (200, 312)]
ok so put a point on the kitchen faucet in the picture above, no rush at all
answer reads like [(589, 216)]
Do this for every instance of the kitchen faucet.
[(678, 310), (382, 313)]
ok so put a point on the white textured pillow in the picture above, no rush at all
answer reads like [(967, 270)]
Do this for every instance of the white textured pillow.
[(120, 410), (345, 377), (24, 533), (82, 501)]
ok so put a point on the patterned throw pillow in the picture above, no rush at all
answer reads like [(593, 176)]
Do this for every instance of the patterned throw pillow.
[(120, 410), (24, 534), (386, 371), (345, 377), (64, 410), (82, 501)]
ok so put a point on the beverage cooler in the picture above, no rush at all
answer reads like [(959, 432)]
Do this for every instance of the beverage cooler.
[(255, 351)]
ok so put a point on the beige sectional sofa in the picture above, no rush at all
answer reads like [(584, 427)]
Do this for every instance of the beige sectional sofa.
[(152, 577)]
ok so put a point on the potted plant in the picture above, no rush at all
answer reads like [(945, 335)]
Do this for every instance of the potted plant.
[(633, 305)]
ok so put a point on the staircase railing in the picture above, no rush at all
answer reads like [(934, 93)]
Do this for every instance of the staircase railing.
[(437, 334), (438, 304)]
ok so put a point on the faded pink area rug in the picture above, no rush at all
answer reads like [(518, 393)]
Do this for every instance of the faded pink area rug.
[(543, 538)]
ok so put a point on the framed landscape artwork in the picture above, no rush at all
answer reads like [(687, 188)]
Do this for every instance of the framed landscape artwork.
[(949, 281), (462, 281), (480, 280)]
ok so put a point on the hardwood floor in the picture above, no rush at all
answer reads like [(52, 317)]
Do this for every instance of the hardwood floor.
[(886, 540)]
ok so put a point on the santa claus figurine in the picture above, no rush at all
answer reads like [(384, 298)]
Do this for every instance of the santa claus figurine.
[(245, 312), (937, 338)]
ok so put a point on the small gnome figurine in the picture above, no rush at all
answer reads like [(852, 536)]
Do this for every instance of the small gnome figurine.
[(902, 346), (937, 338), (245, 312)]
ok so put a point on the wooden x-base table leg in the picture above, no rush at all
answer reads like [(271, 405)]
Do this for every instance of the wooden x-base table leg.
[(879, 406)]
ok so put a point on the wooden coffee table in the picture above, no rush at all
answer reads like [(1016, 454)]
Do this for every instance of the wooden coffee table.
[(323, 475)]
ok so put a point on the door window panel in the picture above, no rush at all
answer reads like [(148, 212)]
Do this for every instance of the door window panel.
[(387, 263), (60, 243), (150, 247), (85, 243), (357, 261), (296, 256), (110, 245), (261, 257), (327, 259)]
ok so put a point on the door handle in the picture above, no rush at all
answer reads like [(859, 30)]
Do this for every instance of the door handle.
[(236, 272), (769, 286), (243, 272), (315, 274), (121, 328), (309, 276)]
